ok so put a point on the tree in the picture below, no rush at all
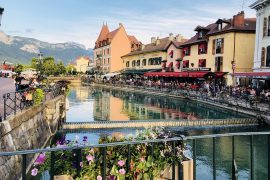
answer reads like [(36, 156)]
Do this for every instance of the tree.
[(60, 68), (18, 69), (48, 66), (70, 69)]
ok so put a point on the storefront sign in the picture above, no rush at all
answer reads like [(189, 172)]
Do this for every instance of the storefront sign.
[(196, 69)]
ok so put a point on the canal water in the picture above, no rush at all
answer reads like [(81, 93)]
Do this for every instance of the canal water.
[(88, 104)]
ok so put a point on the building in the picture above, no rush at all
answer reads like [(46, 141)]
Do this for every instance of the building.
[(160, 54), (110, 46), (224, 48), (82, 63), (261, 66)]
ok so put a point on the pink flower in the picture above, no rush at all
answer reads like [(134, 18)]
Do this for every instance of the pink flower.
[(34, 172), (122, 171), (40, 159), (99, 177), (121, 163), (81, 164), (89, 158), (141, 159)]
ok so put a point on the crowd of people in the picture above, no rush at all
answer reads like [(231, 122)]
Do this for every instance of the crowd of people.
[(210, 88)]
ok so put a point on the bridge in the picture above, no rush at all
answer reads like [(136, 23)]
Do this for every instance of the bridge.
[(69, 79), (160, 123)]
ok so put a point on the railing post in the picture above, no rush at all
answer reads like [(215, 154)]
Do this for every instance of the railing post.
[(52, 165), (104, 166), (214, 158), (268, 138), (251, 157), (24, 167), (194, 158), (15, 101), (5, 108), (233, 158), (128, 158), (152, 155), (173, 162)]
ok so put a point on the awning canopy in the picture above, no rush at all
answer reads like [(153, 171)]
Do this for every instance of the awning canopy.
[(139, 71), (192, 74), (258, 75)]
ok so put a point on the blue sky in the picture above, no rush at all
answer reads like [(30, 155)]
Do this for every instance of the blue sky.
[(80, 21)]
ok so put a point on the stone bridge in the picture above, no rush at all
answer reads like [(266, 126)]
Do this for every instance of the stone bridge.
[(69, 79), (160, 123)]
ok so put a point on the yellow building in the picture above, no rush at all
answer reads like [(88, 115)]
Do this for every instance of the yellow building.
[(153, 56), (82, 63), (226, 46), (110, 46)]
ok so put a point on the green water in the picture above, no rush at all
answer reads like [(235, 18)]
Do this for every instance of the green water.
[(88, 104)]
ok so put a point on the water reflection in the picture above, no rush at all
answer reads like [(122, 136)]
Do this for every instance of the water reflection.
[(95, 104)]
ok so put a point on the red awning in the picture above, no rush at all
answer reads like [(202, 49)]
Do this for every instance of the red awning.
[(253, 74), (195, 74), (219, 74)]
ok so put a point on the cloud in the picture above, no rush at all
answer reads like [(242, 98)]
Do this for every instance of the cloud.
[(29, 30)]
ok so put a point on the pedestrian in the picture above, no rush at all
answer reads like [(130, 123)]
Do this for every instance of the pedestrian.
[(18, 81)]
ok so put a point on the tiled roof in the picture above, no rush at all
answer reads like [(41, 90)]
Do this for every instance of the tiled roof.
[(153, 47), (103, 33), (133, 39), (212, 29)]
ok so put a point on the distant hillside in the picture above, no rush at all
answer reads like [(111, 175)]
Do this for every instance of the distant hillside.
[(21, 49)]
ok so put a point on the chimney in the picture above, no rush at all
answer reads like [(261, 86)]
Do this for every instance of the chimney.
[(239, 19), (179, 38), (143, 46), (157, 41), (171, 36), (153, 39)]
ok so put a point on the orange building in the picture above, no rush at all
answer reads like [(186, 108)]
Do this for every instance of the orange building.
[(110, 46)]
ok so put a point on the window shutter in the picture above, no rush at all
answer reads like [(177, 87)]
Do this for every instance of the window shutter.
[(263, 57), (214, 47), (264, 27), (222, 45)]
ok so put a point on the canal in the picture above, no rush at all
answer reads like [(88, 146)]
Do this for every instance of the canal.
[(94, 104)]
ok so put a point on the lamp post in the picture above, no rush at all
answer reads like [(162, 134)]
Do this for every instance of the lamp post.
[(1, 13), (40, 55)]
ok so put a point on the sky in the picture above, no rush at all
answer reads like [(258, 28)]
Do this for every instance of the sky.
[(80, 21)]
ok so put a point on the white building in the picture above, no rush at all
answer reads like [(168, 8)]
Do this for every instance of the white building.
[(261, 68), (262, 47)]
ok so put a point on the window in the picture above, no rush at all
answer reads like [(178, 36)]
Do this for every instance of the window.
[(108, 60), (200, 35), (202, 49), (133, 63), (104, 61), (219, 64), (202, 63), (219, 45), (138, 62), (144, 62), (263, 57), (186, 64), (127, 64), (108, 51), (159, 60), (269, 26), (268, 57), (150, 61), (264, 27)]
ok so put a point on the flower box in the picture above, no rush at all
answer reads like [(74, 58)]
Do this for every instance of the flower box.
[(63, 177)]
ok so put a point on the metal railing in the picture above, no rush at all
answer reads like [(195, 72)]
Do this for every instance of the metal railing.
[(15, 102), (103, 147)]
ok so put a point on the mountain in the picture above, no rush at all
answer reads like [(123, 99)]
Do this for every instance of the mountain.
[(17, 49)]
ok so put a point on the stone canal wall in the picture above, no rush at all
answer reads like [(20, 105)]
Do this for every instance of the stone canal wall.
[(161, 123), (30, 129)]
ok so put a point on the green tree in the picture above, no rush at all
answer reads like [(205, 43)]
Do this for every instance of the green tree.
[(60, 68), (34, 63), (18, 69), (48, 66), (70, 69)]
